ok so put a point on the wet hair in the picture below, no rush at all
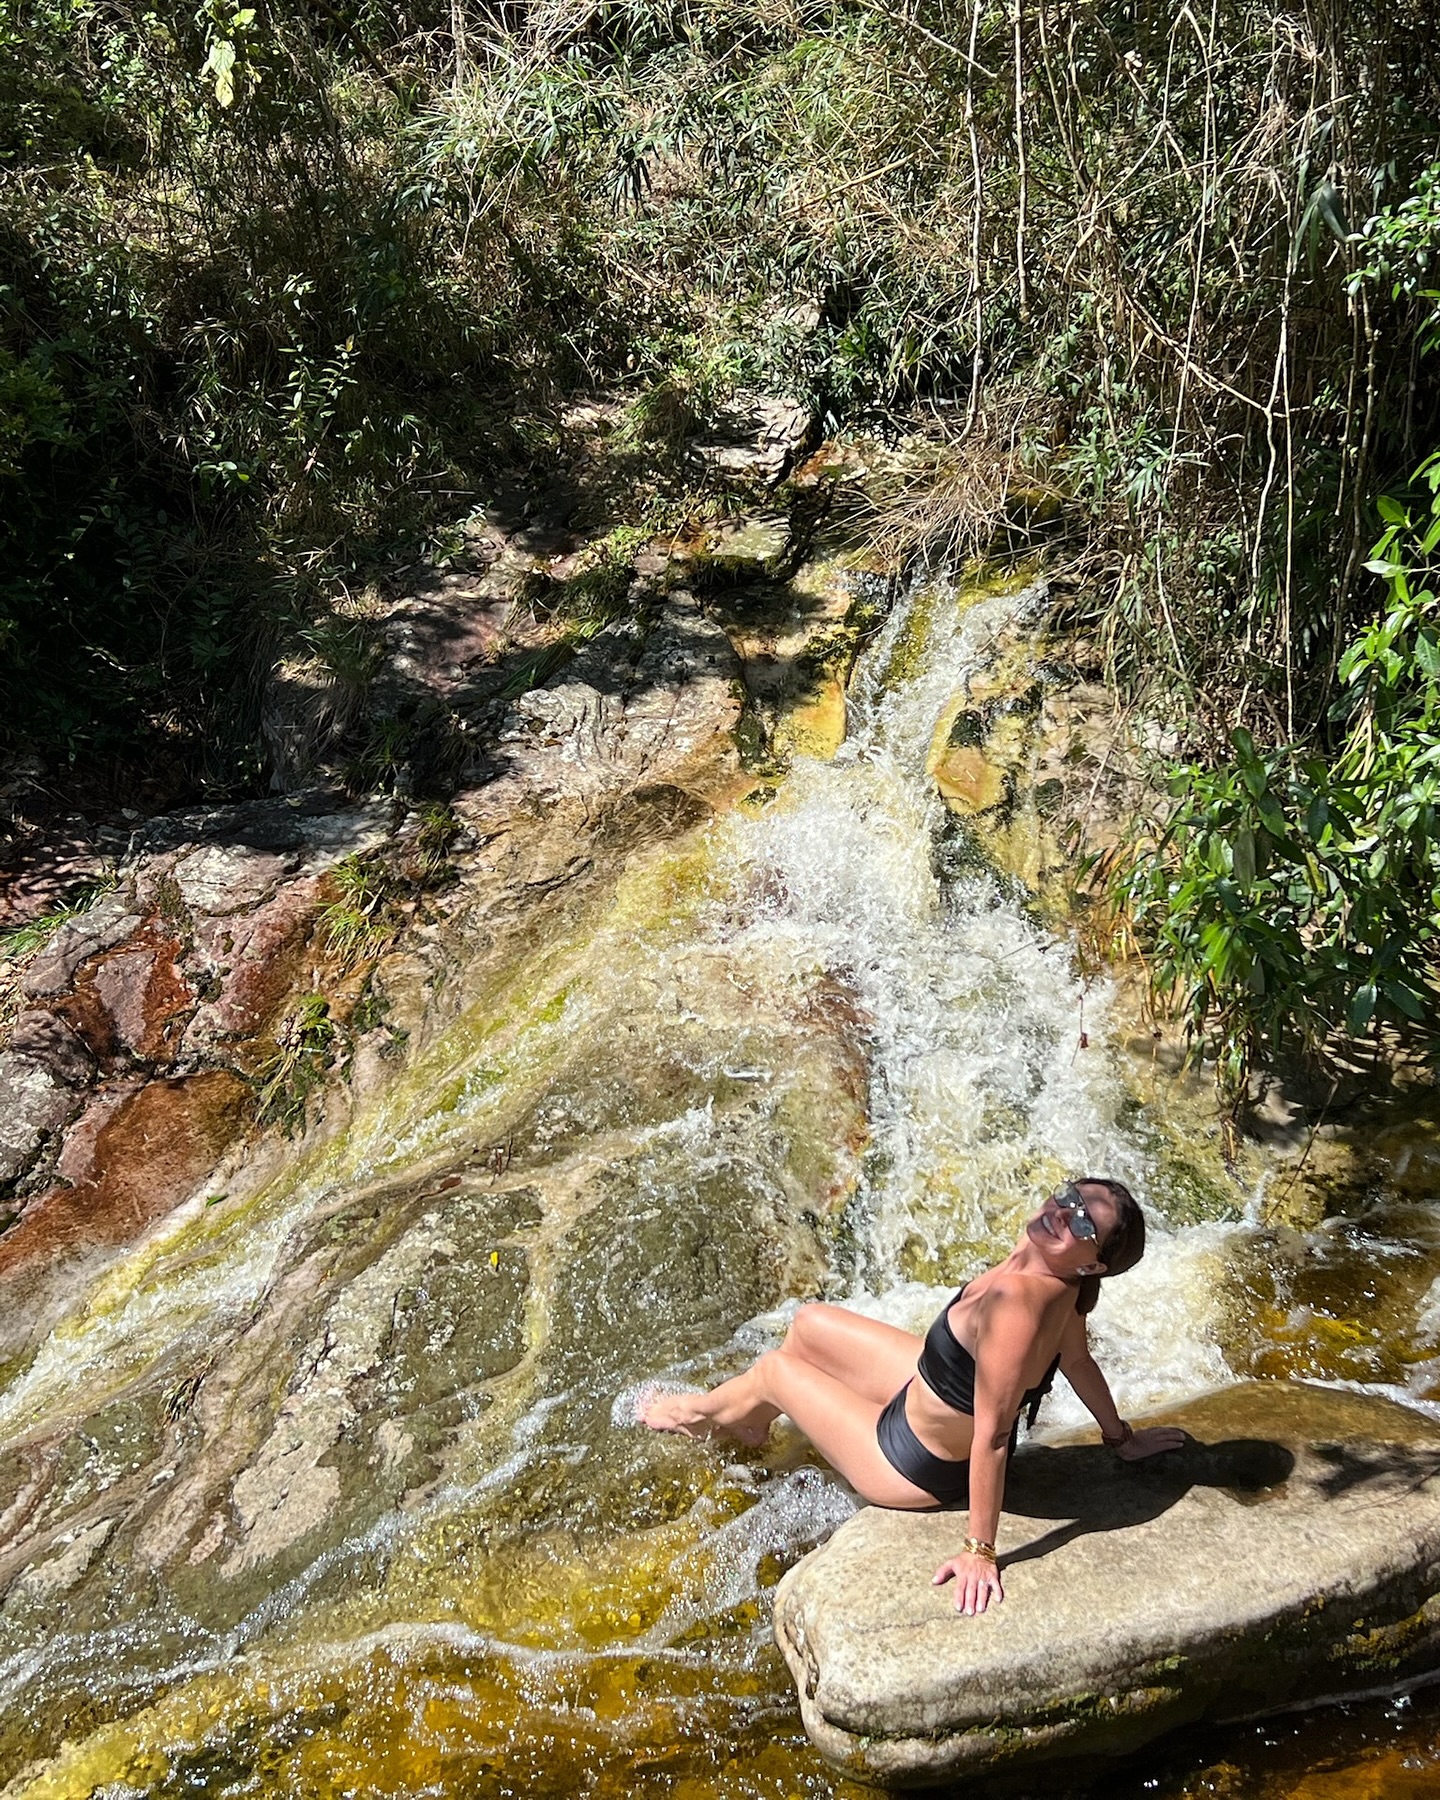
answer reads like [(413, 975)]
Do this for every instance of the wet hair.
[(1124, 1243)]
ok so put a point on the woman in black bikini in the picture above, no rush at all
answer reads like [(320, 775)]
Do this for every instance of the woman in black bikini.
[(849, 1383)]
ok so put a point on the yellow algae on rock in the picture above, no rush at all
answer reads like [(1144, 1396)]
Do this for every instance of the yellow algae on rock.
[(969, 782), (814, 727), (797, 643)]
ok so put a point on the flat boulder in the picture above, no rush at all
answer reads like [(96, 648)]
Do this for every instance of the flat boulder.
[(1288, 1554)]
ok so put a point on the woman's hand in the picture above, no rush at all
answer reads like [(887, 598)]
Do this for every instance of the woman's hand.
[(977, 1582), (1150, 1442)]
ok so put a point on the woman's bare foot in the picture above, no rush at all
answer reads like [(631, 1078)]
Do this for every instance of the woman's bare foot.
[(682, 1413), (693, 1415)]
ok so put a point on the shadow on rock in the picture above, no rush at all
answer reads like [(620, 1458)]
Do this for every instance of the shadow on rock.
[(1091, 1490)]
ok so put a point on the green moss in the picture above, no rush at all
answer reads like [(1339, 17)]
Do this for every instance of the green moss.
[(554, 1008)]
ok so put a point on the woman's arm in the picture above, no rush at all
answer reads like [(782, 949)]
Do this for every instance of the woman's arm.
[(1005, 1338), (1084, 1374)]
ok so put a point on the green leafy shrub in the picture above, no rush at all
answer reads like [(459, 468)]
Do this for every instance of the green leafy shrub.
[(284, 288), (1295, 896)]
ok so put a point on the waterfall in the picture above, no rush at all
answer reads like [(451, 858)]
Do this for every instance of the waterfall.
[(816, 1046)]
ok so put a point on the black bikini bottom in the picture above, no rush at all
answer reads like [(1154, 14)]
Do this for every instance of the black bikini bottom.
[(948, 1481)]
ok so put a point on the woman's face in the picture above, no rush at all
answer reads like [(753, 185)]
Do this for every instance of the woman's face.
[(1053, 1231)]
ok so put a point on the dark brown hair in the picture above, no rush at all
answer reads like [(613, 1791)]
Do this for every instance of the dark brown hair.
[(1125, 1244)]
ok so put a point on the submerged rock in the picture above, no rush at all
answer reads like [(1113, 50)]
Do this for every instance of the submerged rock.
[(1289, 1553)]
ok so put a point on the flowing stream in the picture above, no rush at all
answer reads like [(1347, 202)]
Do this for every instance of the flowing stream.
[(818, 1047)]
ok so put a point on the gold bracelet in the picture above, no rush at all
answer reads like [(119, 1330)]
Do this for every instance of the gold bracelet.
[(1114, 1443), (977, 1547)]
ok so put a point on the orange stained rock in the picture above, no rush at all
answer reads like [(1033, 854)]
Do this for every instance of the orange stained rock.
[(148, 1155), (1401, 1773)]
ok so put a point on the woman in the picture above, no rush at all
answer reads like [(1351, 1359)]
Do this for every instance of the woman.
[(849, 1383)]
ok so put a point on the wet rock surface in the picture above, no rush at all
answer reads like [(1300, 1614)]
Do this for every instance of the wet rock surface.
[(396, 1294), (1290, 1552), (576, 1110), (154, 1014)]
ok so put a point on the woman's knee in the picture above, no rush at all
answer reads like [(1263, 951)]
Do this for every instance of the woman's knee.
[(808, 1327)]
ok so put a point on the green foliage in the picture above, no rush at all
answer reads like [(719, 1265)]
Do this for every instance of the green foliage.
[(360, 920), (592, 595), (372, 888), (1293, 897), (282, 286), (1105, 249), (426, 858), (304, 1048), (248, 349), (1401, 248)]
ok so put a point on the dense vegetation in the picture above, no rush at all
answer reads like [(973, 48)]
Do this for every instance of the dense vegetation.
[(282, 284)]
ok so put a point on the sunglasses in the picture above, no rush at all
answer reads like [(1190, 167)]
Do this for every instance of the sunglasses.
[(1070, 1201)]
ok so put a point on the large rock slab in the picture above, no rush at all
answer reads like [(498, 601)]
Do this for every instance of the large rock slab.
[(1288, 1554)]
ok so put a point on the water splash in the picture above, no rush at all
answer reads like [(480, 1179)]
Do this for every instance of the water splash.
[(979, 1090)]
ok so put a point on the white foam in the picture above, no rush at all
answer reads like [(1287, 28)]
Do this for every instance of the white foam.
[(979, 1085), (1154, 1330)]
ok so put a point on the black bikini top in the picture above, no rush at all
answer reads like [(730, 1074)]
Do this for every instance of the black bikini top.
[(948, 1369)]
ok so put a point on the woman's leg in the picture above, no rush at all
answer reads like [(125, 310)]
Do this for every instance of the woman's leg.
[(873, 1360), (839, 1422)]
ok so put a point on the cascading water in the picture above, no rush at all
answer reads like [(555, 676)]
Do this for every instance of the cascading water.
[(980, 1091), (407, 1368)]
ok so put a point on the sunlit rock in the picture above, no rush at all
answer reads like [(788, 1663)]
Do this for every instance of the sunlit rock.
[(751, 439), (44, 1582), (107, 923), (173, 979), (797, 642), (1290, 1551), (968, 780), (147, 1154), (751, 545)]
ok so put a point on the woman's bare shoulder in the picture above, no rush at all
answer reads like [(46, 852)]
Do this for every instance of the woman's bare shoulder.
[(1002, 1295)]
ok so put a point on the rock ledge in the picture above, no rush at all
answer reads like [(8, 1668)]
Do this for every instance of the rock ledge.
[(1289, 1554)]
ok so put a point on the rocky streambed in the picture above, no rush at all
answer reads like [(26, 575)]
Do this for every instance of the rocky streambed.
[(365, 1158)]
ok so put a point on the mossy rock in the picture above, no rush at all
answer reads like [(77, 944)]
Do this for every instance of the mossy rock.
[(969, 782)]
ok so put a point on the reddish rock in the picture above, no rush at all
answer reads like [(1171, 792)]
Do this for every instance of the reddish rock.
[(146, 996), (120, 982), (151, 1152), (106, 924), (256, 960), (76, 1162), (130, 1001)]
